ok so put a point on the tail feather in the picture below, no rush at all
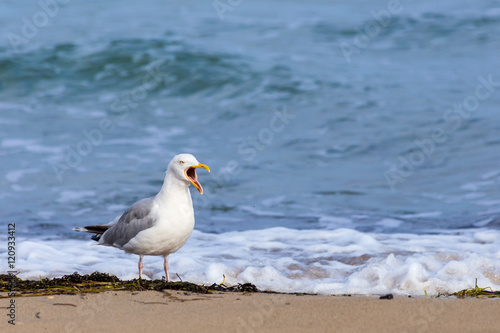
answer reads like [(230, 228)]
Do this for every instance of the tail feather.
[(97, 230)]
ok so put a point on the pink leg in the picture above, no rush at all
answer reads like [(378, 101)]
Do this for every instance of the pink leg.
[(141, 265), (165, 266)]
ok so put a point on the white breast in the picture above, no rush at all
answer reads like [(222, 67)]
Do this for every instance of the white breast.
[(173, 216)]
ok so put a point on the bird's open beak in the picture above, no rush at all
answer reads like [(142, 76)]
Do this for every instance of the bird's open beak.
[(190, 174)]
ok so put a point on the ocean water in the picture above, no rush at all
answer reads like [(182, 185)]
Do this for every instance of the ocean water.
[(353, 145)]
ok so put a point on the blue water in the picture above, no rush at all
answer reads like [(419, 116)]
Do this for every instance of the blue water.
[(353, 145), (95, 102)]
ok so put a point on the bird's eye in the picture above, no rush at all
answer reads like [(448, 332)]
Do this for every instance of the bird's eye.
[(181, 162)]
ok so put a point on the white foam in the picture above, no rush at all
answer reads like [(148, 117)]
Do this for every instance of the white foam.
[(420, 215), (19, 188), (12, 143), (41, 149), (488, 202), (316, 261), (70, 196), (335, 221), (15, 106), (15, 175), (491, 174), (31, 146), (483, 223), (46, 215), (474, 186), (390, 223)]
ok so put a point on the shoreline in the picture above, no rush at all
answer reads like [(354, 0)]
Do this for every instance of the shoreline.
[(186, 311), (101, 282)]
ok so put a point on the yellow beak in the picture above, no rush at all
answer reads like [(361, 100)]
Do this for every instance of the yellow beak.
[(203, 166), (194, 178)]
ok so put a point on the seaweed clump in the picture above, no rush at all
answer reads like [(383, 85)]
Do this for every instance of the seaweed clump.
[(101, 282), (476, 292)]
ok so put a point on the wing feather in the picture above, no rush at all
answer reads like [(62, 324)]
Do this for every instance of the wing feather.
[(134, 220)]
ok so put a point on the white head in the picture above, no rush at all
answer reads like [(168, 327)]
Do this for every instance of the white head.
[(184, 167)]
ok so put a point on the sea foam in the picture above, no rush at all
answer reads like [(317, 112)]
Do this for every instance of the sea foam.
[(341, 261)]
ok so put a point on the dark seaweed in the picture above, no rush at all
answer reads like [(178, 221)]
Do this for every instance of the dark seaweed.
[(101, 282)]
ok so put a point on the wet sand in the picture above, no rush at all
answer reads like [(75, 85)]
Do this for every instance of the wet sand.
[(179, 311)]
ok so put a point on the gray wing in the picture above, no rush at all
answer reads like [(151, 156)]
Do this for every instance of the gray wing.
[(133, 220)]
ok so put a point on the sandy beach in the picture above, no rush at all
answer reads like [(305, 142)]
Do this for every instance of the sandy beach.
[(180, 311)]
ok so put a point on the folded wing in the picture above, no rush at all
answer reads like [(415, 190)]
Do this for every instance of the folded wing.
[(134, 220)]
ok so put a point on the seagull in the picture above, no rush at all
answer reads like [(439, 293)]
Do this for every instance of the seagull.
[(160, 225)]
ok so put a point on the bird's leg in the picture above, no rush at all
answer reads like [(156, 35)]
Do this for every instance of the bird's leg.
[(165, 266), (141, 265)]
